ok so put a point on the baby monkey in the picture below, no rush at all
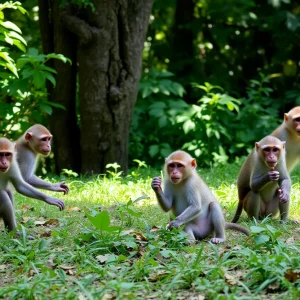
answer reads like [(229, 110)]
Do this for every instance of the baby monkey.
[(190, 200)]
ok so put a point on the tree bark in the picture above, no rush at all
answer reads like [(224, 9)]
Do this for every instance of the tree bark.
[(110, 48), (63, 123)]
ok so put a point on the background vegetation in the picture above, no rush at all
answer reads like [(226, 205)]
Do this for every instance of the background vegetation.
[(217, 76)]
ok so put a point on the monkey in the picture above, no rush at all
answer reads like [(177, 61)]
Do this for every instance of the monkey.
[(264, 183), (10, 174), (190, 200), (289, 131), (34, 142)]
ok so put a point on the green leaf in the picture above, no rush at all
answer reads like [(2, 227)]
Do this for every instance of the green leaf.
[(188, 126), (261, 239), (101, 221), (49, 77), (153, 150), (292, 22), (20, 45), (38, 79), (140, 198), (10, 25), (54, 104), (17, 36), (256, 229), (46, 108), (59, 57)]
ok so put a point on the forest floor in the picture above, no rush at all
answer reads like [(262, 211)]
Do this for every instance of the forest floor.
[(110, 243)]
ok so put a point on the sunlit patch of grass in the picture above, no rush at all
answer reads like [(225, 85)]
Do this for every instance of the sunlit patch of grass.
[(72, 258)]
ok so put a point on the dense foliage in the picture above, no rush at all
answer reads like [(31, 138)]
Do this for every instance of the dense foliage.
[(217, 76), (248, 48)]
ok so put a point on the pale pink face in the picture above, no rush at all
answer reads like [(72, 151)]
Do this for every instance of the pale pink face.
[(271, 154), (176, 171)]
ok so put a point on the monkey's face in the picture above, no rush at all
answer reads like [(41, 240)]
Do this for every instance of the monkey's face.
[(41, 145), (176, 171), (271, 156), (5, 161), (296, 125)]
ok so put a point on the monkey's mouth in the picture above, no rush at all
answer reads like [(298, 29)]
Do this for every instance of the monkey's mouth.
[(272, 164), (45, 152), (175, 179), (3, 170)]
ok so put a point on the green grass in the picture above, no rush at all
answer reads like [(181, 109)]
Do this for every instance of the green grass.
[(81, 253)]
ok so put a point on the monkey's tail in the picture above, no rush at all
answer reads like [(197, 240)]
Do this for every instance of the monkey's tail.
[(238, 212), (237, 227)]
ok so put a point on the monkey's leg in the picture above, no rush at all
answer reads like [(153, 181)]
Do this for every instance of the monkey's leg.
[(218, 222), (7, 211), (11, 196), (190, 232), (253, 205), (273, 207)]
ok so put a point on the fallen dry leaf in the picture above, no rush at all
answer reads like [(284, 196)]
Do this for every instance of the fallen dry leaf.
[(292, 275), (24, 220), (3, 267), (73, 208), (290, 240), (50, 263), (103, 258), (154, 229), (46, 234), (157, 276), (230, 279), (69, 270), (26, 207), (50, 222), (273, 287)]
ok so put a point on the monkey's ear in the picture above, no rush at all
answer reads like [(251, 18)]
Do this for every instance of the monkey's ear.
[(256, 146), (283, 144), (28, 136), (194, 163), (286, 117)]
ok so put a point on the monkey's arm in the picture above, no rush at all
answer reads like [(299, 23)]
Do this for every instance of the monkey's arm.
[(164, 200), (42, 184), (190, 213), (285, 188), (257, 182), (26, 189)]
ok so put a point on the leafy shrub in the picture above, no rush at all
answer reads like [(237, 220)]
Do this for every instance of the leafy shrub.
[(24, 100), (215, 130)]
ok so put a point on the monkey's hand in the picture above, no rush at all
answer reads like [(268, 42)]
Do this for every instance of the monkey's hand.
[(283, 196), (57, 202), (156, 184), (60, 187), (173, 224), (273, 175)]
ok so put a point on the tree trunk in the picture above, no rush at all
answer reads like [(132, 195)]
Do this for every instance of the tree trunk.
[(56, 38), (111, 41)]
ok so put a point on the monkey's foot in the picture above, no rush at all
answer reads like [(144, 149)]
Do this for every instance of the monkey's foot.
[(191, 242), (216, 240), (290, 221)]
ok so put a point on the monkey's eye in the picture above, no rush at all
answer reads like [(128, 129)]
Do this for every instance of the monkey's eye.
[(179, 165), (267, 149), (297, 119), (275, 150), (172, 165), (7, 154)]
